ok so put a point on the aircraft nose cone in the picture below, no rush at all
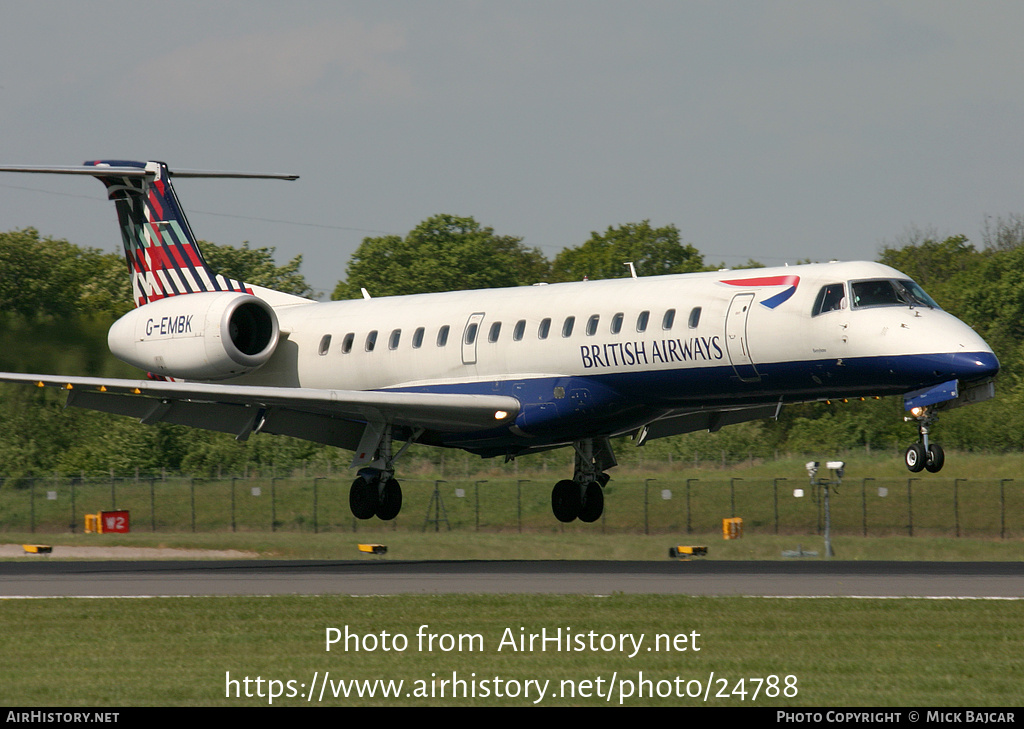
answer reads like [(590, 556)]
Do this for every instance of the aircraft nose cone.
[(975, 365)]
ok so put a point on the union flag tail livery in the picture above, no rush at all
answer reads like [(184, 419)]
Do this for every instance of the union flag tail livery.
[(163, 257)]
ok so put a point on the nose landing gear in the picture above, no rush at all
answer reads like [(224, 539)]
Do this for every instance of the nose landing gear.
[(924, 454)]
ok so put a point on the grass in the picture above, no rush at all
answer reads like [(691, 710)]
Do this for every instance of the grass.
[(844, 653), (181, 651)]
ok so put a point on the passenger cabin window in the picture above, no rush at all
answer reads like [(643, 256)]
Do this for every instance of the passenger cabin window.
[(442, 336), (617, 323), (492, 336), (669, 319), (592, 325), (543, 329), (570, 322), (325, 344), (890, 292), (371, 340), (641, 321), (520, 330), (396, 336), (417, 338), (832, 297), (694, 318), (346, 343)]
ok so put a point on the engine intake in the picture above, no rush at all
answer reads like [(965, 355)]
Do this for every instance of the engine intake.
[(205, 336)]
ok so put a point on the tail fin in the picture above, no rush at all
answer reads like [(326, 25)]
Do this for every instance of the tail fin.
[(163, 256)]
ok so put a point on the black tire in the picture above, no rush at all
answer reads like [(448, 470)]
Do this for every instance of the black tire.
[(593, 503), (936, 458), (390, 501), (565, 501), (915, 457), (362, 499)]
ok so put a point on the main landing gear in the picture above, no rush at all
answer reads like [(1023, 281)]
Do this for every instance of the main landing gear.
[(376, 491), (924, 454), (583, 497)]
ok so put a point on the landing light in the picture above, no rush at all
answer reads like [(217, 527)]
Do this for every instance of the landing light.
[(917, 412), (500, 415)]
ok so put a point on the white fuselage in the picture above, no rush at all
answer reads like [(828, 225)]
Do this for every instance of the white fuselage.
[(617, 353)]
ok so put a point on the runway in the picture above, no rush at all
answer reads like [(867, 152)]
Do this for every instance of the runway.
[(41, 578)]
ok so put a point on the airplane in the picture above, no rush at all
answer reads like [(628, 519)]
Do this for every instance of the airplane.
[(507, 372)]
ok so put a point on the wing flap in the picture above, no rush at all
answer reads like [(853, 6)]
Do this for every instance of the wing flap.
[(709, 420)]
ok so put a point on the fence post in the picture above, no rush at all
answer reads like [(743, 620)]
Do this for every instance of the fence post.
[(647, 529), (689, 526), (152, 503), (519, 501), (956, 503), (864, 504), (273, 503), (315, 525), (192, 495), (775, 491), (74, 518), (32, 504), (1002, 507), (910, 506), (476, 506)]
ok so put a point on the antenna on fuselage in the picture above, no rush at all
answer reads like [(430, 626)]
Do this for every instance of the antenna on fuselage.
[(631, 267)]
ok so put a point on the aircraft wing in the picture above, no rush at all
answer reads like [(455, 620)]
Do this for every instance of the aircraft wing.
[(333, 417)]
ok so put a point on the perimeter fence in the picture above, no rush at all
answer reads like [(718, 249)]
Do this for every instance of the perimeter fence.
[(983, 508)]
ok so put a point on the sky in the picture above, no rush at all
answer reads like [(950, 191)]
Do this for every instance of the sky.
[(779, 131)]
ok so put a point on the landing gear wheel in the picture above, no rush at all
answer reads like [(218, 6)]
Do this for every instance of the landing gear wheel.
[(593, 503), (915, 457), (565, 501), (362, 498), (936, 458), (390, 501)]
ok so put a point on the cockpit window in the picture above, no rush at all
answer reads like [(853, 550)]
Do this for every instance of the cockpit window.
[(832, 297), (890, 292)]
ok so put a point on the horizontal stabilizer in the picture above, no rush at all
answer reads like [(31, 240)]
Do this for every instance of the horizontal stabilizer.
[(124, 171)]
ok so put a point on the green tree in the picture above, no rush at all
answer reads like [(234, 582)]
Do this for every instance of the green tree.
[(42, 277), (653, 251), (939, 266), (1003, 234), (256, 266), (443, 253)]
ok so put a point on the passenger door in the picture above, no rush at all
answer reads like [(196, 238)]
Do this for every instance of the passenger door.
[(736, 341)]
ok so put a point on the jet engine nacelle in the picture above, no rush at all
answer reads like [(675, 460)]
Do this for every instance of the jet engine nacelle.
[(204, 336)]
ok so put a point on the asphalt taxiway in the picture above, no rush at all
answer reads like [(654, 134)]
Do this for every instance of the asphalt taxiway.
[(51, 578)]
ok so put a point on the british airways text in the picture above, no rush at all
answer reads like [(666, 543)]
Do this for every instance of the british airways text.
[(620, 354)]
